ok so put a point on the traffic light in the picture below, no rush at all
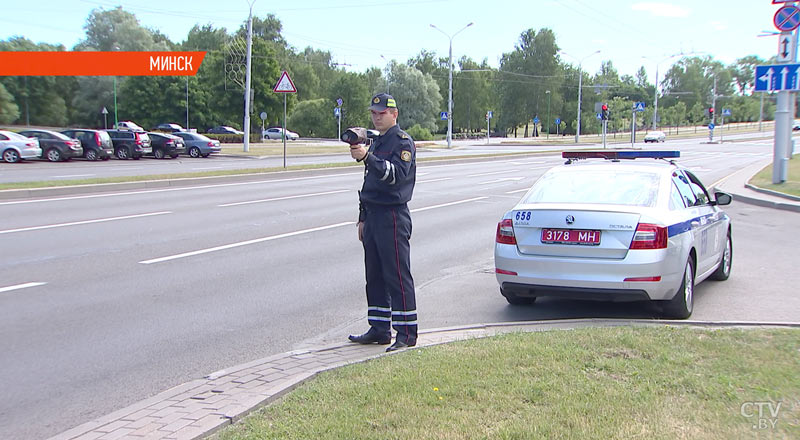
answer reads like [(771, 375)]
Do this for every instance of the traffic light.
[(604, 112), (711, 112)]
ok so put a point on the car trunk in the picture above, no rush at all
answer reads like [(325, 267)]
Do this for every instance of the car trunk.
[(590, 234)]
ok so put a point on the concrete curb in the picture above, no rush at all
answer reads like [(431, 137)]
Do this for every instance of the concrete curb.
[(201, 407)]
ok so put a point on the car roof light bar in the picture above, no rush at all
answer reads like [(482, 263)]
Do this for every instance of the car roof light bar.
[(617, 155)]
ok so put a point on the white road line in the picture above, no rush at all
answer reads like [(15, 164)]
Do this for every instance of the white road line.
[(126, 168), (84, 222), (20, 286), (505, 179), (495, 172), (283, 198), (435, 180), (188, 188), (285, 235), (207, 168), (77, 175), (517, 191), (448, 204), (243, 243)]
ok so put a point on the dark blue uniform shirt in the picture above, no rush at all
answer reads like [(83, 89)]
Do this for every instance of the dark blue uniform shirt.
[(390, 170)]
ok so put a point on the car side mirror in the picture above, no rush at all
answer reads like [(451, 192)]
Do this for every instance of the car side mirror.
[(722, 198)]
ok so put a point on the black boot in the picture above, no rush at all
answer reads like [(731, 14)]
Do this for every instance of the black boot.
[(371, 337)]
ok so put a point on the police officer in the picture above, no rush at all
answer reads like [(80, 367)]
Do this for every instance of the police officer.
[(384, 228)]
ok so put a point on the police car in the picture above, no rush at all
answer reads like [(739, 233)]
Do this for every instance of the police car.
[(604, 226)]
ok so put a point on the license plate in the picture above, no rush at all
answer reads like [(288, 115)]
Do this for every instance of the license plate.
[(571, 236)]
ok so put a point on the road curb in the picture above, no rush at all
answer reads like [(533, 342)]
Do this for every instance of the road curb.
[(199, 408)]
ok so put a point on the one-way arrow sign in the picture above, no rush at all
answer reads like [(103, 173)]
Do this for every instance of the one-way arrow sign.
[(785, 47), (777, 77)]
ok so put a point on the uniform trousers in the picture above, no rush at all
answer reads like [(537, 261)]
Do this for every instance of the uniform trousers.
[(387, 259)]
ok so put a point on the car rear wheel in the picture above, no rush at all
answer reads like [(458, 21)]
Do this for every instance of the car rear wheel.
[(680, 307), (724, 270), (194, 152), (122, 153), (91, 155), (515, 300), (11, 156), (159, 154), (53, 155)]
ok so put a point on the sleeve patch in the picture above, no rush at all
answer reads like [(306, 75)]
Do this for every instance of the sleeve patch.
[(405, 155)]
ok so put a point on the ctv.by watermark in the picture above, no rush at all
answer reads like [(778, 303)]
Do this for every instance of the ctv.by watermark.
[(765, 414)]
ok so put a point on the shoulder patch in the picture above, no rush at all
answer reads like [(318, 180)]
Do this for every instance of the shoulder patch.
[(405, 155)]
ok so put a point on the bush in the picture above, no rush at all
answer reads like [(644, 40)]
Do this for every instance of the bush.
[(420, 134)]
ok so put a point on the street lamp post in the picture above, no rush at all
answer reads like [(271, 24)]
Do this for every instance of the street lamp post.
[(655, 98), (547, 92), (450, 89), (580, 86)]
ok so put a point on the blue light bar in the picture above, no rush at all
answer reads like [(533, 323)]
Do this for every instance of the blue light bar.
[(612, 155)]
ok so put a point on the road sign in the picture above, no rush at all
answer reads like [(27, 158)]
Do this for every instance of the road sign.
[(639, 106), (443, 116), (489, 114), (535, 119), (599, 116), (339, 102), (726, 112), (104, 111), (558, 121), (336, 111), (711, 126), (285, 84), (785, 47), (787, 18), (777, 77), (263, 115)]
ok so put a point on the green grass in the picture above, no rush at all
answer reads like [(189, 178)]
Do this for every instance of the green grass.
[(606, 383), (792, 184)]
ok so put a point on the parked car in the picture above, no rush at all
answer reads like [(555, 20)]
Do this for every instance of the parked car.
[(198, 145), (164, 145), (169, 128), (96, 144), (614, 230), (16, 147), (130, 144), (277, 133), (655, 136), (128, 125), (224, 129), (55, 146)]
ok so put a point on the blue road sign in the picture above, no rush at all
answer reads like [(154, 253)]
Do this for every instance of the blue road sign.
[(558, 121), (639, 106), (336, 111), (339, 102), (777, 77), (711, 126), (599, 116), (787, 18), (726, 112), (489, 114), (443, 116), (535, 119)]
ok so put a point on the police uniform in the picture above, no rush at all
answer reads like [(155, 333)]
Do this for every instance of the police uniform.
[(389, 176)]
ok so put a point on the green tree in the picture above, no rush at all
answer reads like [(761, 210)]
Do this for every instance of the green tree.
[(417, 96), (312, 118), (353, 90), (9, 111), (473, 95)]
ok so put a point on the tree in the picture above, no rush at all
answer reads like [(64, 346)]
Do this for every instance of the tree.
[(353, 90), (9, 111), (472, 95), (743, 72), (118, 29), (417, 96), (313, 118)]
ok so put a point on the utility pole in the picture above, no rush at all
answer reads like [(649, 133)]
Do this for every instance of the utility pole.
[(246, 127), (450, 88), (548, 113), (714, 113)]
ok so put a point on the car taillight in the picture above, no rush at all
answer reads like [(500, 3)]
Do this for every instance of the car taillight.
[(505, 232), (652, 279), (139, 140), (170, 143), (649, 236), (97, 139), (504, 272), (210, 144), (30, 144)]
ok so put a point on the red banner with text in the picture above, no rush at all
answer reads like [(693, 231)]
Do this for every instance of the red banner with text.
[(100, 63)]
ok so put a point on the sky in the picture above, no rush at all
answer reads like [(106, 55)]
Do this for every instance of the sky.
[(364, 33)]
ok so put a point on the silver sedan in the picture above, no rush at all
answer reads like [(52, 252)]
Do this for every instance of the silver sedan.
[(615, 230)]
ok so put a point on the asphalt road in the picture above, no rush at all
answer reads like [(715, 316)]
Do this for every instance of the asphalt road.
[(107, 299)]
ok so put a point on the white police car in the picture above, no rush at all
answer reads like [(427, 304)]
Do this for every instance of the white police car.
[(616, 230)]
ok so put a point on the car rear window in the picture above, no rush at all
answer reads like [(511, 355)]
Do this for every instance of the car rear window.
[(597, 187)]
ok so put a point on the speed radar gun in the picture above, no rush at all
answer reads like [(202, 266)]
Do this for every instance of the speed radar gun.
[(359, 135)]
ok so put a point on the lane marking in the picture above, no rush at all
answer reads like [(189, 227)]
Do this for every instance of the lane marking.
[(505, 179), (21, 286), (492, 173), (243, 243), (188, 188), (284, 198), (435, 180), (285, 235), (84, 222), (517, 191), (448, 204)]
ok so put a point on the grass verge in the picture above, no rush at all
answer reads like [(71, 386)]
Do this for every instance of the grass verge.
[(603, 383), (792, 184)]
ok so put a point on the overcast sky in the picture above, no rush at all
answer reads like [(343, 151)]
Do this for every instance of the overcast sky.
[(365, 33)]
